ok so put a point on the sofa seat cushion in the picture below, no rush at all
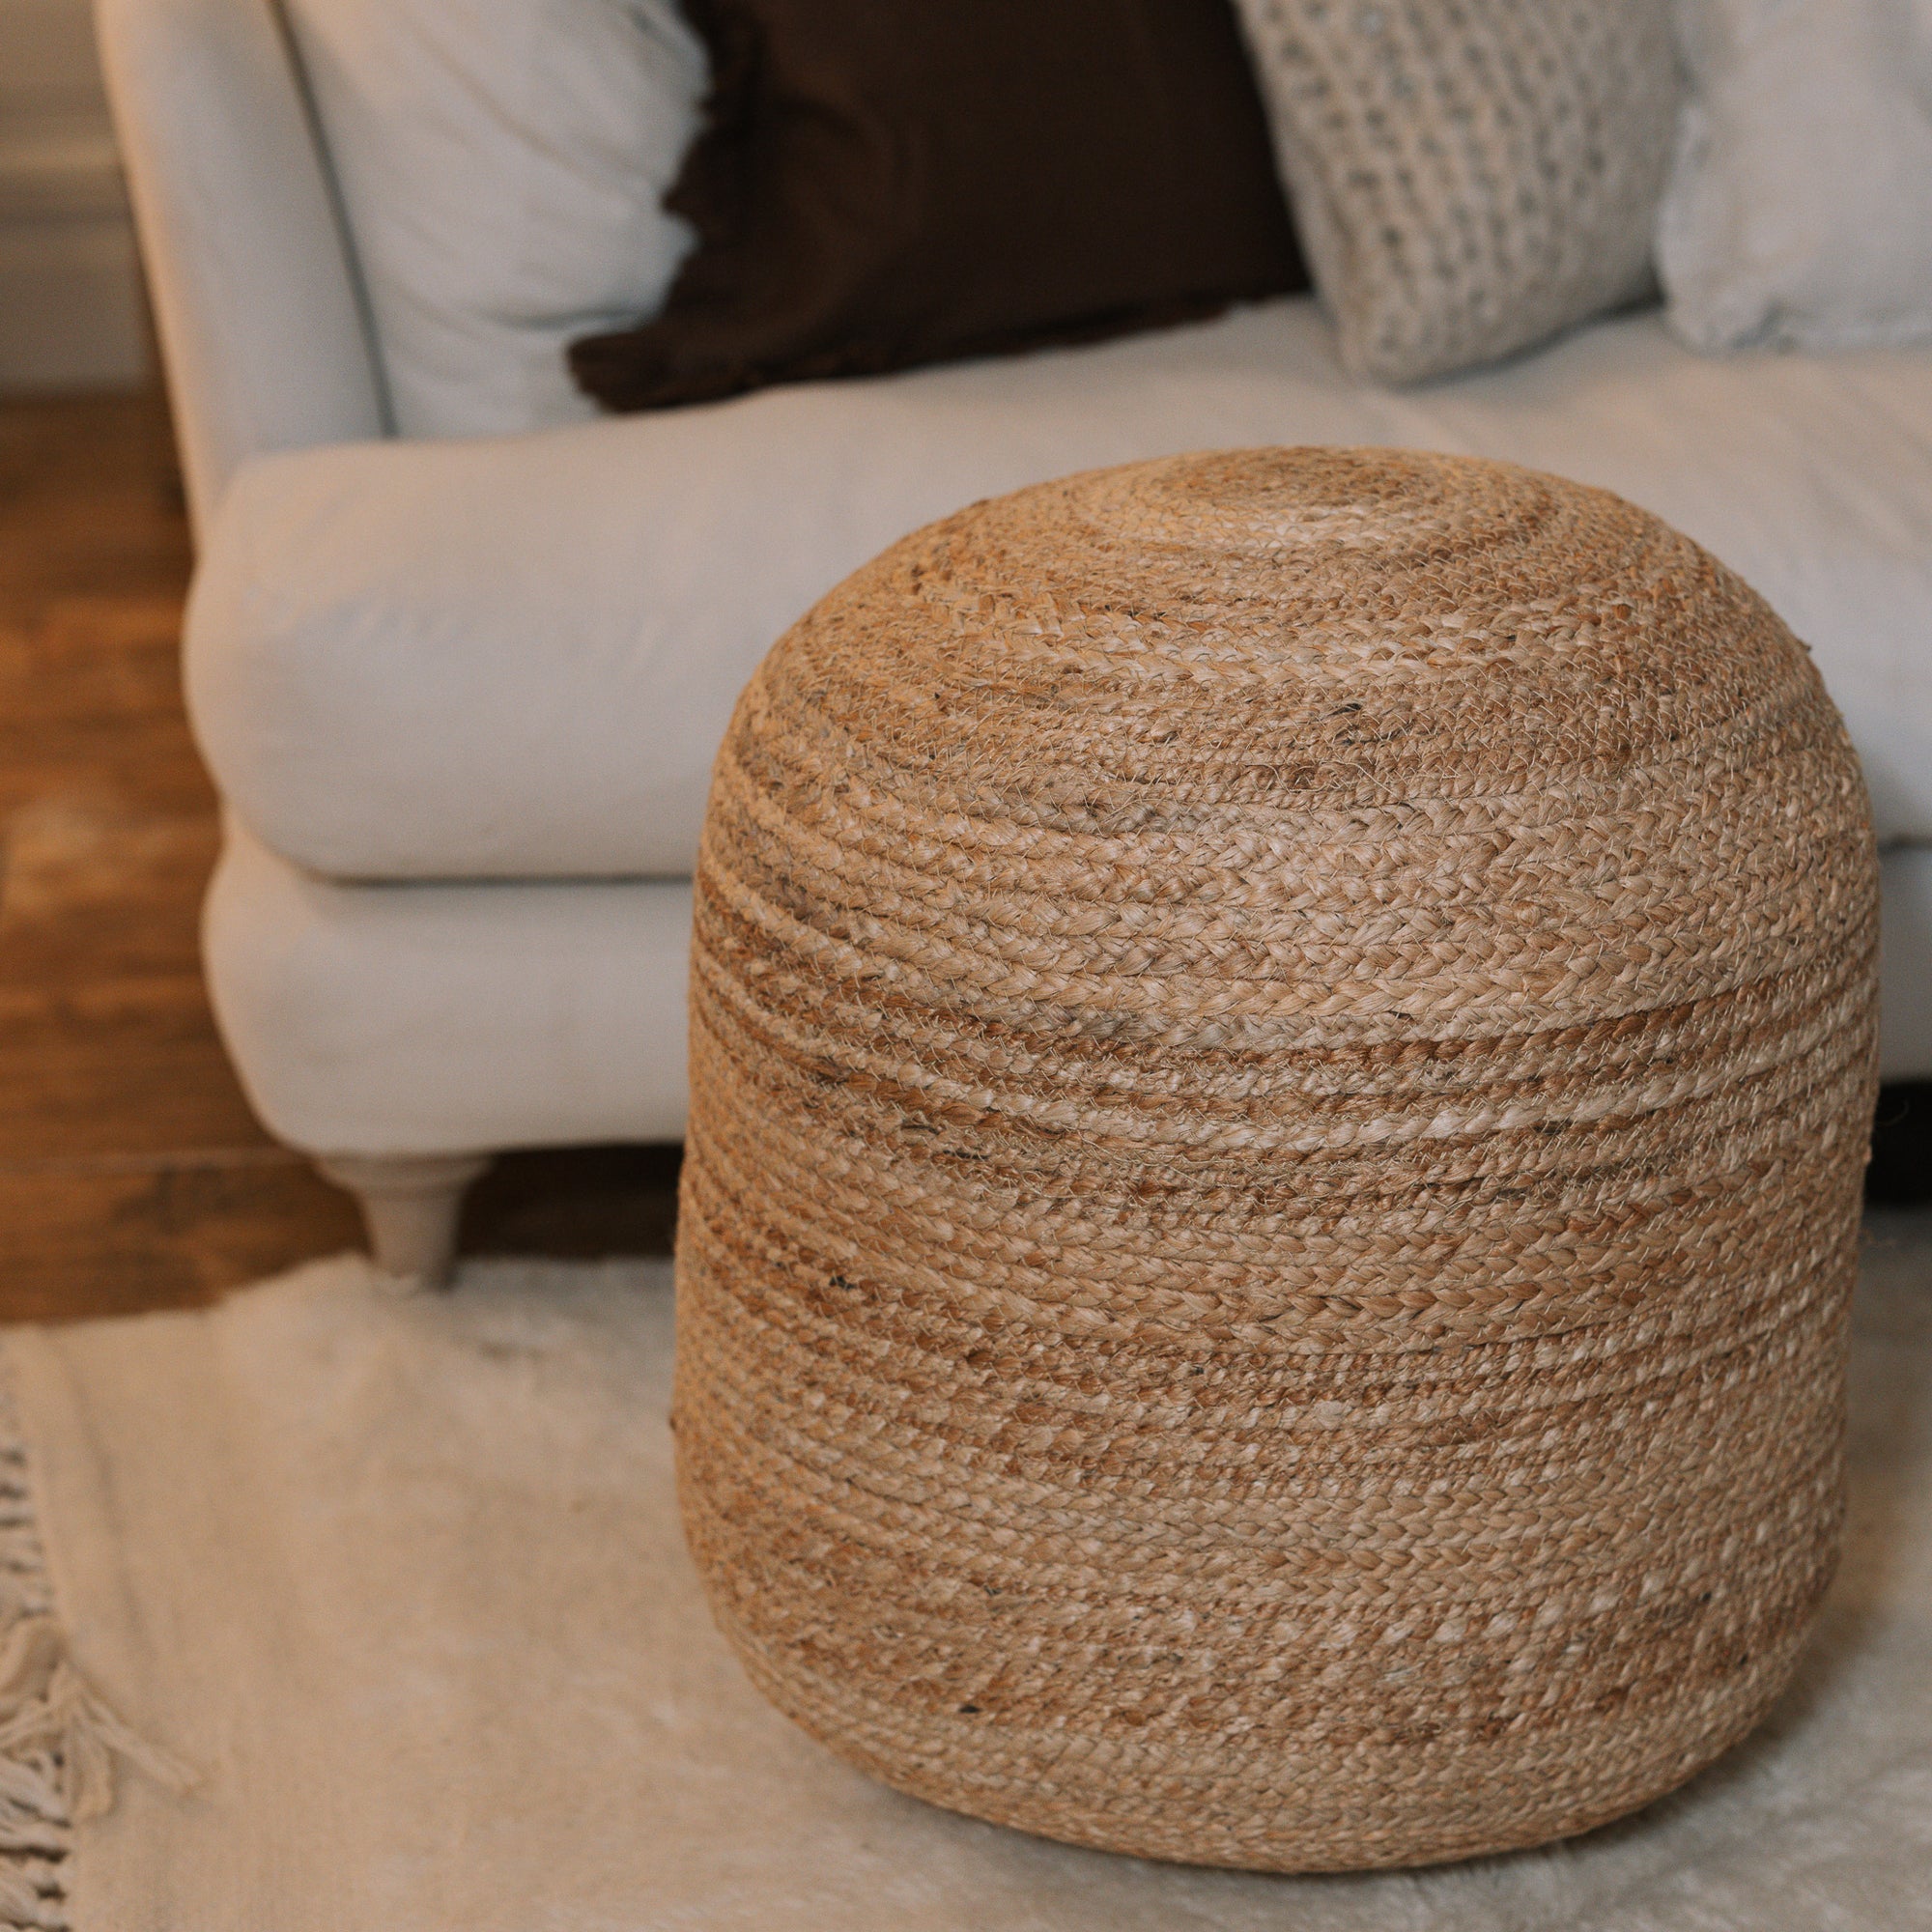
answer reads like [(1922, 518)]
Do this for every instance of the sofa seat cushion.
[(515, 657)]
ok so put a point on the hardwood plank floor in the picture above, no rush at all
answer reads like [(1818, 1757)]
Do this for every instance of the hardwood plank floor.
[(132, 1174)]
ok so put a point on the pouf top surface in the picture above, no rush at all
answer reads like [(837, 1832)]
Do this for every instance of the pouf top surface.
[(1349, 623), (1385, 742)]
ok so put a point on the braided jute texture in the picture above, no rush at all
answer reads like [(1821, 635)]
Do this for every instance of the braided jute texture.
[(1281, 1051)]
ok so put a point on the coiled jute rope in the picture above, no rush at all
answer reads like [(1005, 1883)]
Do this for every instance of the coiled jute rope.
[(1282, 1046)]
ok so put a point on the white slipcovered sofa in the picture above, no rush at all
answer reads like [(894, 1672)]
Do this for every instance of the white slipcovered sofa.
[(460, 696)]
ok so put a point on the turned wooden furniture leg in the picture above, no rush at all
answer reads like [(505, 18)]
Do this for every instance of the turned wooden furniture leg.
[(409, 1204)]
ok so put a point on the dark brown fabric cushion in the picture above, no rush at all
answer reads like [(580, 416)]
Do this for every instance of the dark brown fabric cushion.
[(886, 182)]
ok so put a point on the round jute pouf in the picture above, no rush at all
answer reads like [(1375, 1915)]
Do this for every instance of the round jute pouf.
[(1282, 1049)]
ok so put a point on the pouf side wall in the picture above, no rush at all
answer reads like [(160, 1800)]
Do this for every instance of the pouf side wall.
[(1281, 1044)]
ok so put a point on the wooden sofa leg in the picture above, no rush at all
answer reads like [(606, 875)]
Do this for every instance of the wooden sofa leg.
[(410, 1205)]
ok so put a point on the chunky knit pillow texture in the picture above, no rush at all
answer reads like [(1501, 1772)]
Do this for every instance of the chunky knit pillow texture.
[(1469, 176)]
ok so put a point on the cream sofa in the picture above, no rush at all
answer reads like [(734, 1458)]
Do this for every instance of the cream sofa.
[(461, 696)]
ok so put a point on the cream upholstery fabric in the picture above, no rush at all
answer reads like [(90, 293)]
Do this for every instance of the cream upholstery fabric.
[(1468, 180), (502, 163), (247, 265), (516, 657), (438, 1019), (1799, 207)]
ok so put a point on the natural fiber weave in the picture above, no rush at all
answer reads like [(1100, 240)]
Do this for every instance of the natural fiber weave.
[(1281, 1051)]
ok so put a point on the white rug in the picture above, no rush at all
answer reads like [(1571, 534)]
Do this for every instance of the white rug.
[(402, 1581)]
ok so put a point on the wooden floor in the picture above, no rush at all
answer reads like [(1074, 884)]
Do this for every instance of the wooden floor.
[(132, 1174)]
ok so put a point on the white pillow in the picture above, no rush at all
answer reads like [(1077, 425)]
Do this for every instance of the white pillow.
[(1799, 204), (503, 165)]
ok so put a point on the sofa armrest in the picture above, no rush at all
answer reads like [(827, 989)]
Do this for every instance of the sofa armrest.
[(514, 656), (262, 327), (481, 657)]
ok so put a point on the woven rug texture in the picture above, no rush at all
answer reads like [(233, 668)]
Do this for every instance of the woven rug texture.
[(402, 1581)]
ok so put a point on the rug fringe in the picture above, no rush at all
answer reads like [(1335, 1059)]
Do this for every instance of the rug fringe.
[(58, 1739)]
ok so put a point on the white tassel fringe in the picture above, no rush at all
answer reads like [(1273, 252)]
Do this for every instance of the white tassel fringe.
[(58, 1741)]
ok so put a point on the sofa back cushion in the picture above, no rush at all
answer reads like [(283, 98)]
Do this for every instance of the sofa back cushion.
[(503, 165), (1799, 207)]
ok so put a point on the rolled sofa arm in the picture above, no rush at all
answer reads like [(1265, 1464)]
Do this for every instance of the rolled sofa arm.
[(254, 282)]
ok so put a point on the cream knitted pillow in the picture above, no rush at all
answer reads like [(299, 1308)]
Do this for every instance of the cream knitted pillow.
[(1471, 175)]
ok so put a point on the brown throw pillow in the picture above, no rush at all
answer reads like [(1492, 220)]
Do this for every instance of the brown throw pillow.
[(888, 182)]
